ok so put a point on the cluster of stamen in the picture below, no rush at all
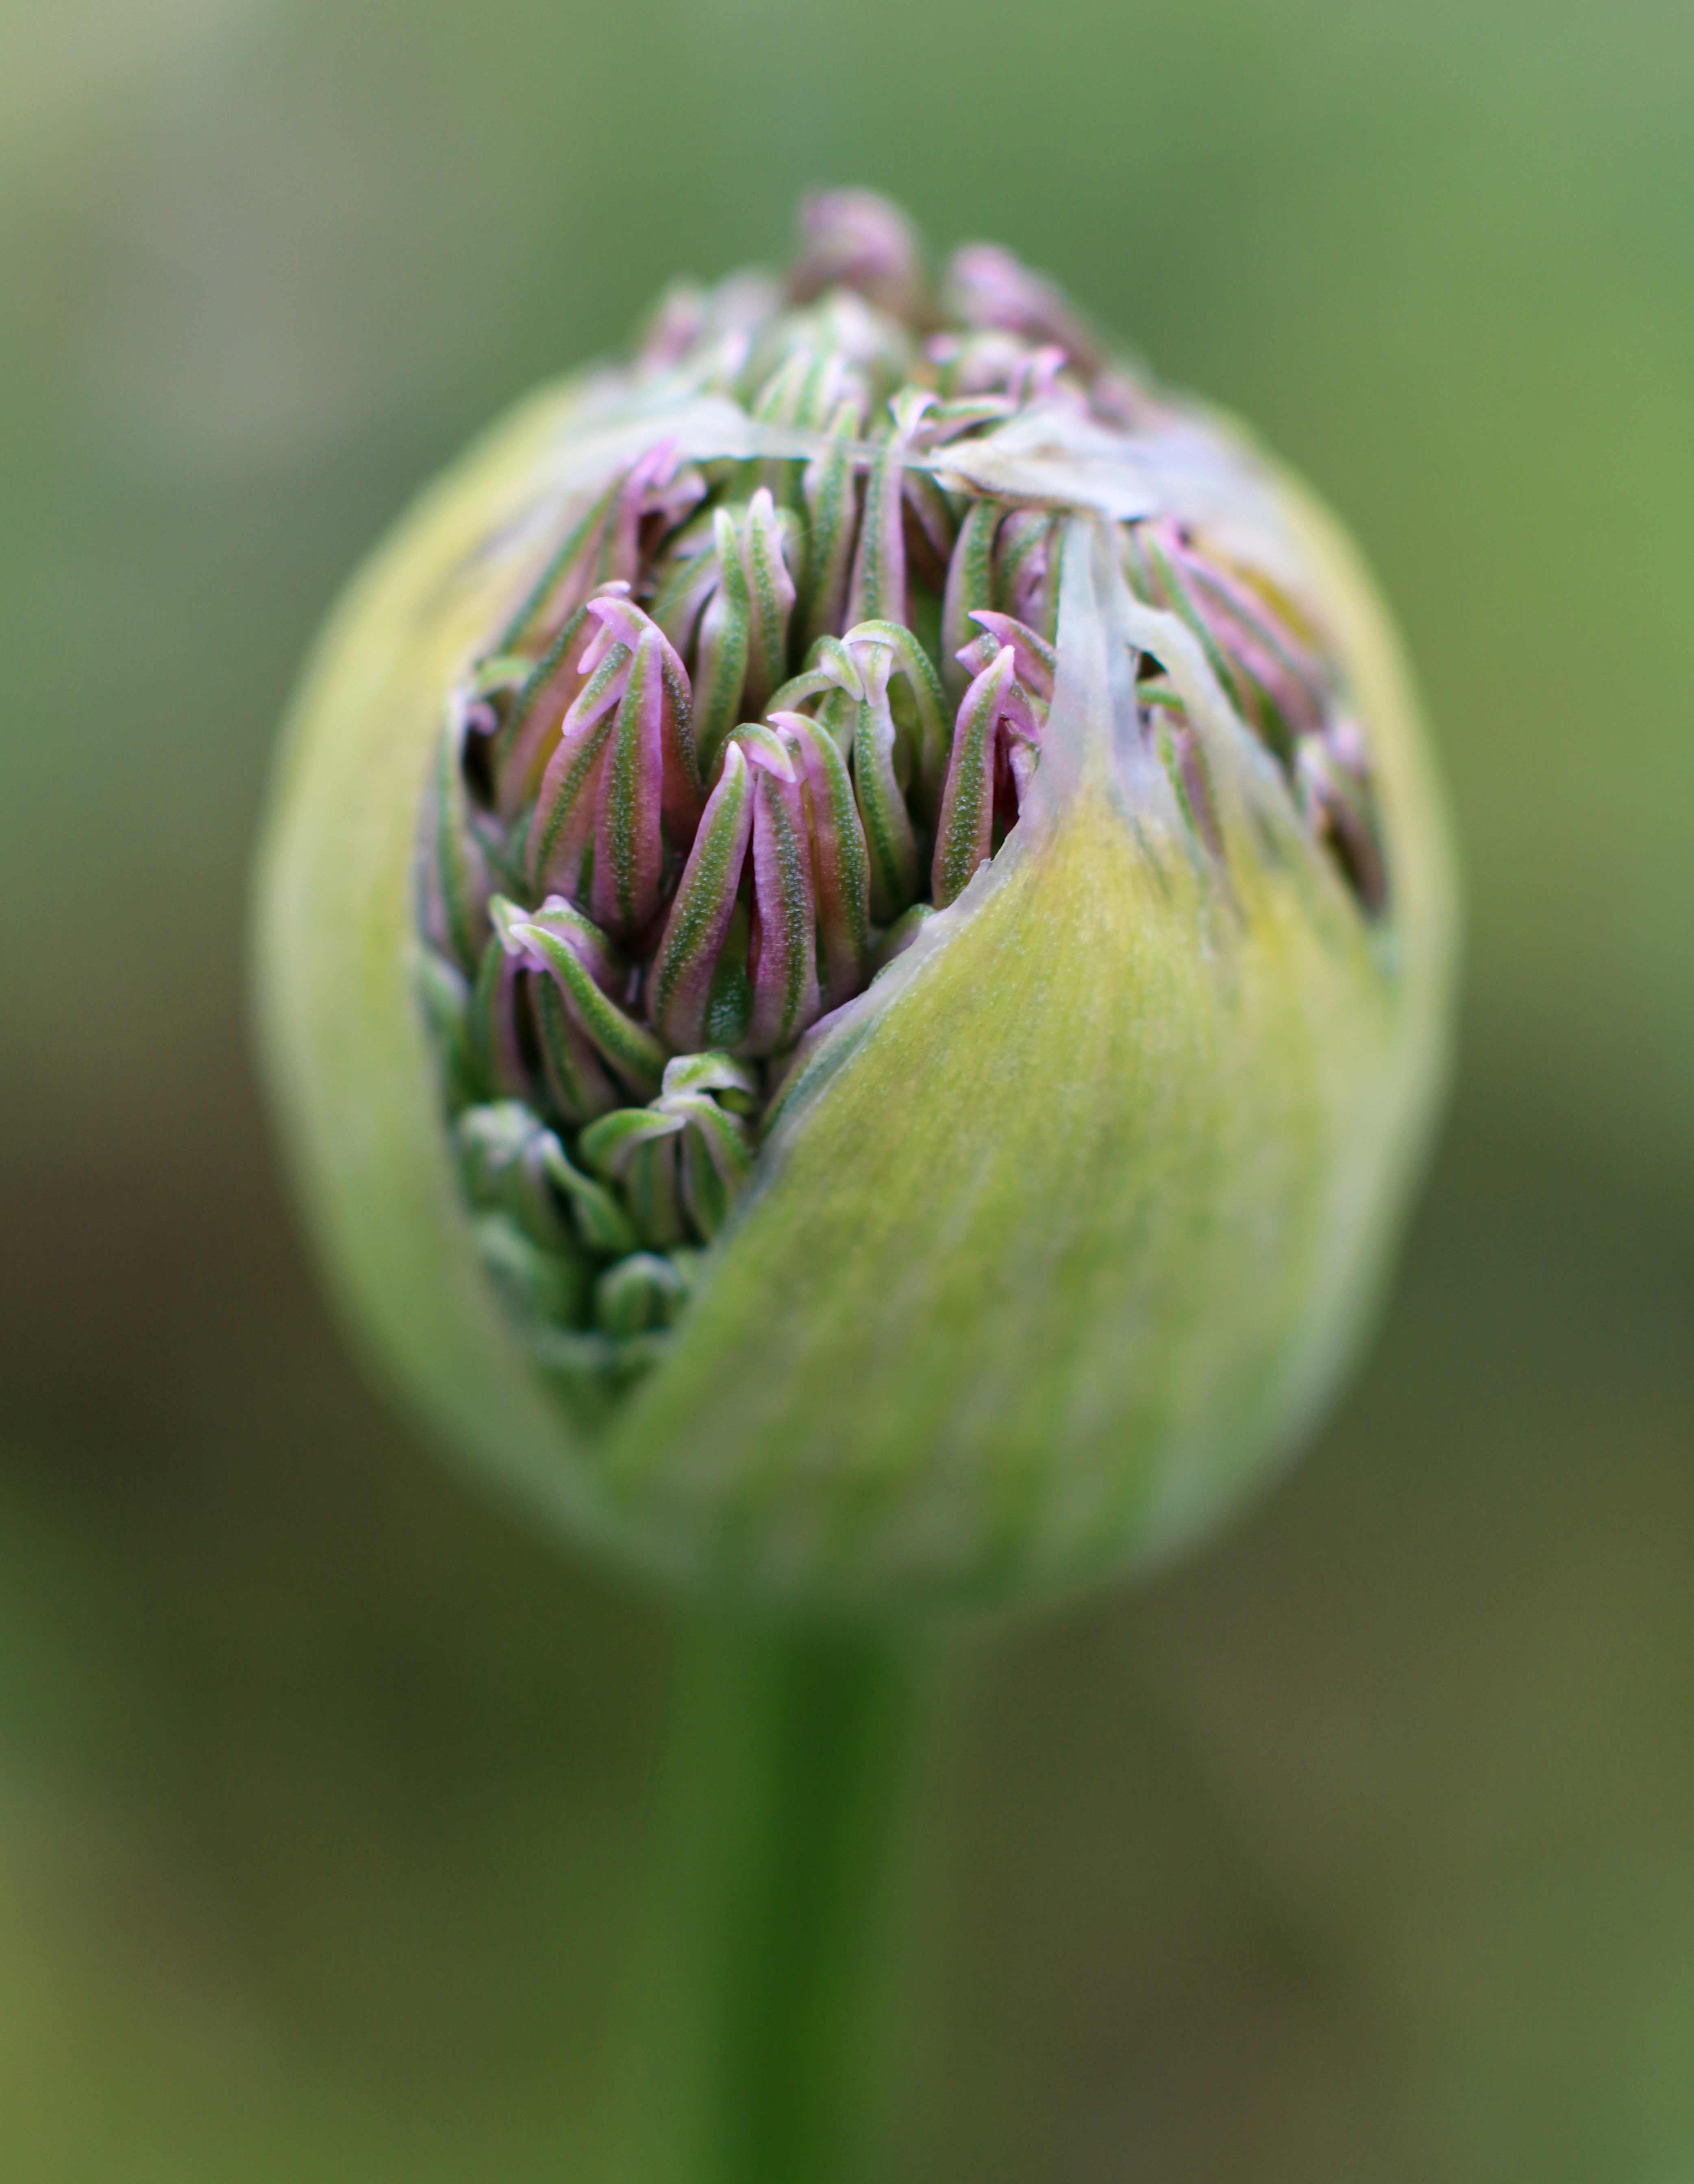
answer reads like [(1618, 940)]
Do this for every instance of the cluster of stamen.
[(757, 720)]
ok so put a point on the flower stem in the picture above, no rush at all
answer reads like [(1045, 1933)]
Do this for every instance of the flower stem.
[(757, 2034)]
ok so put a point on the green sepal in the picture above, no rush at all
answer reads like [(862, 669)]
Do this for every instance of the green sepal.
[(725, 636), (970, 589), (878, 591), (601, 1224), (497, 1070), (577, 1085), (913, 665), (444, 993), (561, 795), (630, 1048), (642, 1292), (901, 935), (535, 678), (710, 1072), (770, 598), (888, 837), (1026, 533), (681, 985), (962, 843), (607, 1143), (533, 612), (459, 870), (503, 1152), (829, 496), (841, 869), (536, 1284), (652, 1189)]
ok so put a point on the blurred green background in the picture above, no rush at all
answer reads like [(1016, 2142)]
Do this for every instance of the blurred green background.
[(1361, 1846)]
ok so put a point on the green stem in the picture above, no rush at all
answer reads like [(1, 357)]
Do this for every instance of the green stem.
[(757, 2047)]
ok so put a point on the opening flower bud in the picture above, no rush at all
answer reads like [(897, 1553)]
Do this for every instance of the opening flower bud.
[(856, 941)]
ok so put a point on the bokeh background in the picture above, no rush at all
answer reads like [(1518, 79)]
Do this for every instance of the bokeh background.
[(1361, 1846)]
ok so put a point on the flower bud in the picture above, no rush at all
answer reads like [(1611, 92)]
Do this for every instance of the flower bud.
[(855, 944)]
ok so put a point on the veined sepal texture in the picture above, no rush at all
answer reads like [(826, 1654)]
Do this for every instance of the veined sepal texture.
[(1064, 1230)]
